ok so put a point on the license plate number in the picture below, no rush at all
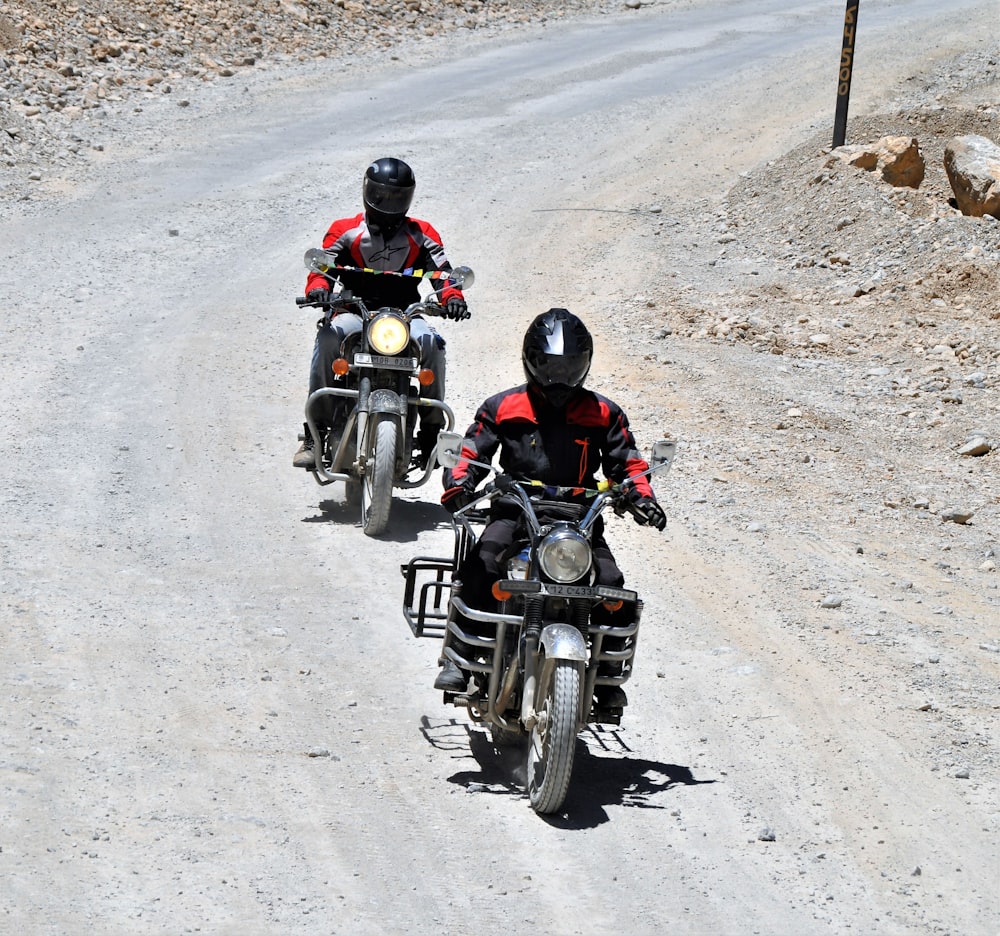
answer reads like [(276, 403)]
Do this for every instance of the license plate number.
[(568, 591), (389, 363)]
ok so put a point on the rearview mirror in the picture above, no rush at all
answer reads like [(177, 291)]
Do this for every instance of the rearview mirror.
[(449, 448), (318, 260), (462, 276), (663, 453)]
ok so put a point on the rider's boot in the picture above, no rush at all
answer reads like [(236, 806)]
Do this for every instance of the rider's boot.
[(451, 678), (305, 457), (610, 697)]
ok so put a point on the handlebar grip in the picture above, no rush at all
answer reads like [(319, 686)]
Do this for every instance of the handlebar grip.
[(301, 300), (631, 508)]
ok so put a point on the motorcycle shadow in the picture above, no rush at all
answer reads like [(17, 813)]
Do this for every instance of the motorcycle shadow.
[(599, 781), (408, 520)]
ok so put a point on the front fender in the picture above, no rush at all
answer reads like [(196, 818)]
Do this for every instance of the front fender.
[(559, 642), (386, 401), (563, 642)]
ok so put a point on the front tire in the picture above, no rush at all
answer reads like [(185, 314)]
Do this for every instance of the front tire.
[(552, 741), (380, 470)]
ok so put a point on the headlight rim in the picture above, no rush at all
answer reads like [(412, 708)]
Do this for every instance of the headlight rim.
[(546, 561), (376, 334)]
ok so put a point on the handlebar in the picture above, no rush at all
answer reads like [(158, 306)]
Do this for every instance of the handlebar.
[(607, 492), (451, 454), (424, 307)]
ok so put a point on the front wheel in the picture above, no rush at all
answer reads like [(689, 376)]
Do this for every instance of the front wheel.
[(380, 470), (553, 738)]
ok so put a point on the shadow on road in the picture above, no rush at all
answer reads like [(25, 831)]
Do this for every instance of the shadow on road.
[(407, 519), (598, 781)]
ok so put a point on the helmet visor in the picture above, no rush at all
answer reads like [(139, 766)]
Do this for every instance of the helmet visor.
[(568, 370), (387, 199)]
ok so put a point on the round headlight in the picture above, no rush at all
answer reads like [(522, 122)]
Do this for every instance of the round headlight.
[(564, 556), (388, 333)]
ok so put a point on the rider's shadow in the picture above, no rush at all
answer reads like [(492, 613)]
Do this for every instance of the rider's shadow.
[(407, 520), (598, 781)]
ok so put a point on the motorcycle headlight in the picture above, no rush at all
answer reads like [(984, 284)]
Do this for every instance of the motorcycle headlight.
[(388, 333), (564, 556)]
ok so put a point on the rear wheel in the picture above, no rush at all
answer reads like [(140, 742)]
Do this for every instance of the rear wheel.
[(380, 470), (553, 738)]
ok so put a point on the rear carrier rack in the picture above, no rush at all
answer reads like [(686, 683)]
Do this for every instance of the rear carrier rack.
[(425, 600)]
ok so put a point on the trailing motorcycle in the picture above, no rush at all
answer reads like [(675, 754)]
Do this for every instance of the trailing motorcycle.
[(379, 372), (555, 636)]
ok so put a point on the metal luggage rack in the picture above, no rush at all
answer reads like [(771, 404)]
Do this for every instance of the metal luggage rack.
[(426, 610), (425, 615)]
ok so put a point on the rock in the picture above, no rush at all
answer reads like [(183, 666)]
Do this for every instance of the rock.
[(832, 601), (973, 166), (960, 515), (976, 446), (897, 157)]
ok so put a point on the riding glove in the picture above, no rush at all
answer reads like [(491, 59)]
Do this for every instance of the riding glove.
[(321, 296), (457, 309), (455, 498), (650, 512)]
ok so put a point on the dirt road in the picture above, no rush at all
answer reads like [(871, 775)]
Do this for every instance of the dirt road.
[(215, 718)]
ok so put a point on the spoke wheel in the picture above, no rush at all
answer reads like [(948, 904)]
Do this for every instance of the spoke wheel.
[(553, 738), (380, 469)]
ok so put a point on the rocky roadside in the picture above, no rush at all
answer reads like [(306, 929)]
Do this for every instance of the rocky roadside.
[(68, 65), (814, 260)]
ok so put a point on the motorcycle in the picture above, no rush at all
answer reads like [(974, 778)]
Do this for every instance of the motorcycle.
[(534, 676), (379, 371)]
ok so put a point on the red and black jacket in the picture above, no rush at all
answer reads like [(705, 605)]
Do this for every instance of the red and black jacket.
[(415, 246), (563, 446)]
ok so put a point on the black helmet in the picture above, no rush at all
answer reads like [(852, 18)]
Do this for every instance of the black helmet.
[(556, 355), (387, 192)]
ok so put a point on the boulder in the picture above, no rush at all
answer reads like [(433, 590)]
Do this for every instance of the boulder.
[(898, 158), (973, 167)]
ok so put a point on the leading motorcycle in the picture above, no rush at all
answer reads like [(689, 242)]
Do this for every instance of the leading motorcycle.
[(555, 635), (379, 371)]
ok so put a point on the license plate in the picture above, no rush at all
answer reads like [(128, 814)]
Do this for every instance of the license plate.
[(594, 591), (569, 591), (389, 363)]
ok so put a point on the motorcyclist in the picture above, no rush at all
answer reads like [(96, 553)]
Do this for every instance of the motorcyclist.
[(383, 237), (552, 430)]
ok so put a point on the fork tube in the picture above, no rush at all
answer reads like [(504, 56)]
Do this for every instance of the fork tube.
[(533, 605), (580, 619), (593, 513), (364, 391)]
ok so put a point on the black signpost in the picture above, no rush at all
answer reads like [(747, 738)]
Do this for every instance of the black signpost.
[(844, 75)]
